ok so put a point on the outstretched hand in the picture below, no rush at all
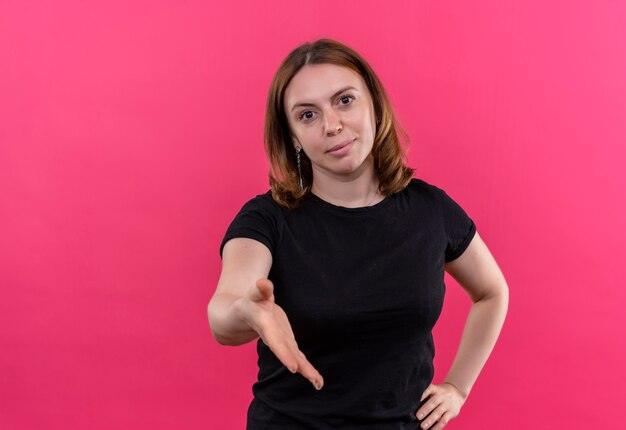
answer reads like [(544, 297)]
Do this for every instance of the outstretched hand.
[(445, 403), (269, 320)]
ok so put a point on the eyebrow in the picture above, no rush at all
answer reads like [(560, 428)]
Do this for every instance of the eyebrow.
[(331, 97)]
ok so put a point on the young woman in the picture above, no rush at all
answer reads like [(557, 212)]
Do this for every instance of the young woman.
[(338, 270)]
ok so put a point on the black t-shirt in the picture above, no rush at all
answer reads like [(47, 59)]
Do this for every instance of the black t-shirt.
[(362, 288)]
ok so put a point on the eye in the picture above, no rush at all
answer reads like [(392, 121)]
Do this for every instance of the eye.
[(348, 97), (301, 116)]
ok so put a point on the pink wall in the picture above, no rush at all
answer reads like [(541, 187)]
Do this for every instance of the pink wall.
[(130, 135)]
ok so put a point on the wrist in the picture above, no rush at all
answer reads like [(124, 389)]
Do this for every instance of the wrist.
[(462, 393)]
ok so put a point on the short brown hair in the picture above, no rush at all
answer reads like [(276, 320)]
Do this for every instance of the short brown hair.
[(389, 156)]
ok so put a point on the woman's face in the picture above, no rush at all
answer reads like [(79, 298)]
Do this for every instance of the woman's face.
[(331, 116)]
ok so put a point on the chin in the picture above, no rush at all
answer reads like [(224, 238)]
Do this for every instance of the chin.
[(352, 167)]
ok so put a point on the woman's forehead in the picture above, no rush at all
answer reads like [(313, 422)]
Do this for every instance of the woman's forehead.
[(319, 82)]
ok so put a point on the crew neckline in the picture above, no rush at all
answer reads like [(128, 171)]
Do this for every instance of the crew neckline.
[(321, 202)]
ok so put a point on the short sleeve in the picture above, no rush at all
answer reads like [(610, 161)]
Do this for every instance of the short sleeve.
[(459, 227), (258, 220)]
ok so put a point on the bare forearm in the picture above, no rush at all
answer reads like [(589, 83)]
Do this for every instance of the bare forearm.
[(481, 331), (227, 327)]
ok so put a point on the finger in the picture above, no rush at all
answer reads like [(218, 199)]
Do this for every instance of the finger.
[(427, 392), (433, 417), (426, 409), (276, 342), (263, 291), (306, 369), (281, 340), (292, 358), (283, 320), (443, 421)]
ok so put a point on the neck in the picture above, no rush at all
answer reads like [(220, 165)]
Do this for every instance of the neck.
[(358, 189)]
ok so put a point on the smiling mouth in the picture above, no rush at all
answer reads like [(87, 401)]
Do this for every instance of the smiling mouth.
[(341, 145)]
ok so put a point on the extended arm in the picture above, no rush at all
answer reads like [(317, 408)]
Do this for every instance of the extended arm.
[(244, 261), (243, 307)]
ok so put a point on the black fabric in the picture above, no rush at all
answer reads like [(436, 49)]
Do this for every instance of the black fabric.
[(363, 288)]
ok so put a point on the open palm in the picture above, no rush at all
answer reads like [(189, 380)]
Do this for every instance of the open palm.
[(270, 321)]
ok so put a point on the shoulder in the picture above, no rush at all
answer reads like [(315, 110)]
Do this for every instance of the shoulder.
[(259, 218), (425, 193), (260, 210), (427, 188), (424, 189), (263, 203), (264, 199)]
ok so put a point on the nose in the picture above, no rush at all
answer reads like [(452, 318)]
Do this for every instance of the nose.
[(333, 122)]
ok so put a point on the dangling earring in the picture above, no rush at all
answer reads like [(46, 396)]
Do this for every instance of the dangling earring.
[(298, 149)]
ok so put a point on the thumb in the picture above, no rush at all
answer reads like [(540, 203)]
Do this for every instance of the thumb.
[(263, 291), (427, 392)]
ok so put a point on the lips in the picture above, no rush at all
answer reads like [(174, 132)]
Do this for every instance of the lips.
[(341, 145)]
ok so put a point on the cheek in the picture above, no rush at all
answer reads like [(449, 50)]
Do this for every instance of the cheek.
[(363, 118), (311, 145), (302, 136)]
